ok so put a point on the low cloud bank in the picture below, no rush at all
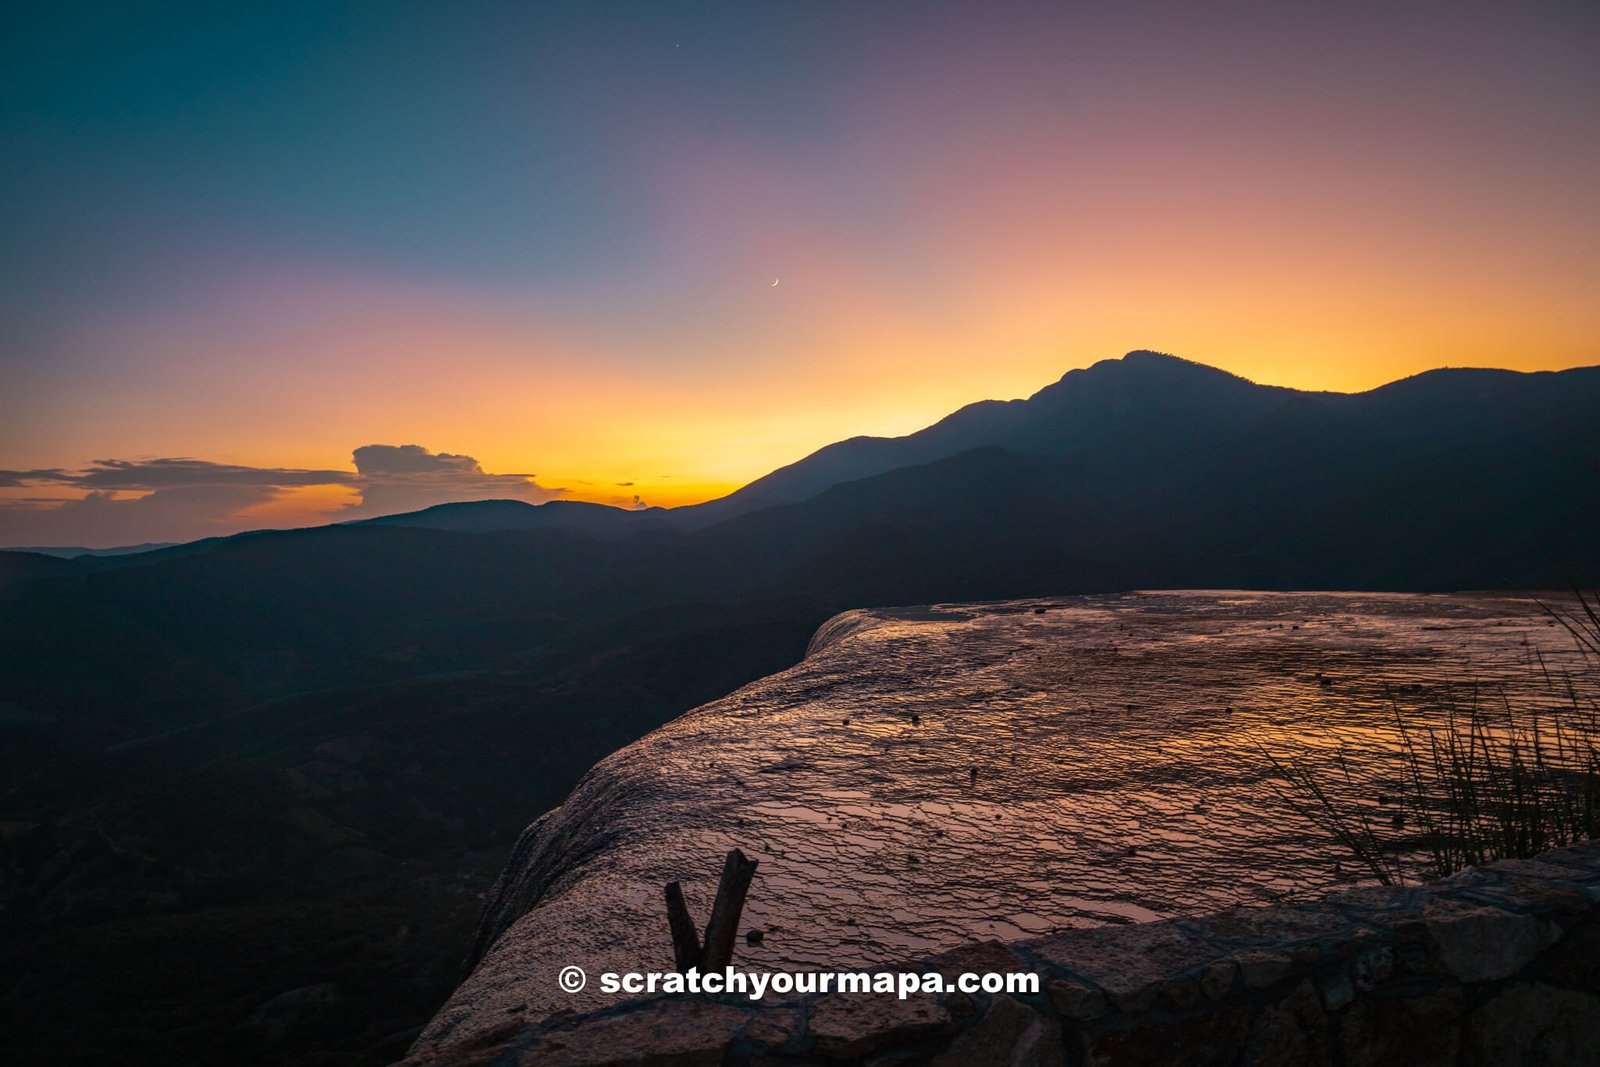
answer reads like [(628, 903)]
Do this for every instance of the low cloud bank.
[(178, 499)]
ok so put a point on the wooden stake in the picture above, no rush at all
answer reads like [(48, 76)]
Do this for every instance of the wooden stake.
[(723, 929), (685, 938)]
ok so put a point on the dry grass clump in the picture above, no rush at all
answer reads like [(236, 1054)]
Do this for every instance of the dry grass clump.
[(1493, 781)]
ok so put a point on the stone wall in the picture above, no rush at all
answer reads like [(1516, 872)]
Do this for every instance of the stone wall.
[(1499, 965)]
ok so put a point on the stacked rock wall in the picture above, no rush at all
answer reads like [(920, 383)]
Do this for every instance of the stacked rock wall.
[(1498, 965)]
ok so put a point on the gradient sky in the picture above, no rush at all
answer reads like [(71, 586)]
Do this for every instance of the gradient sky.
[(537, 240)]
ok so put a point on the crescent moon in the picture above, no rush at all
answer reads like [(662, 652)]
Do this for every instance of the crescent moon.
[(774, 282)]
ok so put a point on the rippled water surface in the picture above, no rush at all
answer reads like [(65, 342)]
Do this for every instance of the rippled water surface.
[(934, 776)]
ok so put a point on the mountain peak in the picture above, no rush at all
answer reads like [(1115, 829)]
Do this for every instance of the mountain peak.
[(1144, 374), (1150, 361)]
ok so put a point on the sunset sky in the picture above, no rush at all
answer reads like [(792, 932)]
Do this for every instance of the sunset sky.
[(537, 241)]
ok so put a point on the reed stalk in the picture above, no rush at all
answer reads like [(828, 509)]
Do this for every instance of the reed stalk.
[(1493, 780)]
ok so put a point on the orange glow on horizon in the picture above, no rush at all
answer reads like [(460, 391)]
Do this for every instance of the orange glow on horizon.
[(958, 208), (306, 505)]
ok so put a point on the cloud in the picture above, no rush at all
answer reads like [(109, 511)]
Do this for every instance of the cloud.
[(152, 474), (103, 519), (414, 459), (398, 478), (179, 499), (16, 479)]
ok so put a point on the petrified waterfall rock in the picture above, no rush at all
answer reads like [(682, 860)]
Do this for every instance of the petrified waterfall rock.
[(1122, 839)]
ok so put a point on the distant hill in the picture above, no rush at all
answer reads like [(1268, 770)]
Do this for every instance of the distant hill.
[(74, 551), (486, 516), (17, 564)]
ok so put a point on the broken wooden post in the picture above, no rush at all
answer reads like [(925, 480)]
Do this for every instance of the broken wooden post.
[(685, 938), (737, 870), (717, 951)]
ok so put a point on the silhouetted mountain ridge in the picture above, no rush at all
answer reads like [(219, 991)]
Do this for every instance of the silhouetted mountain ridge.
[(73, 551), (1148, 402), (1085, 406), (482, 516), (1134, 403)]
